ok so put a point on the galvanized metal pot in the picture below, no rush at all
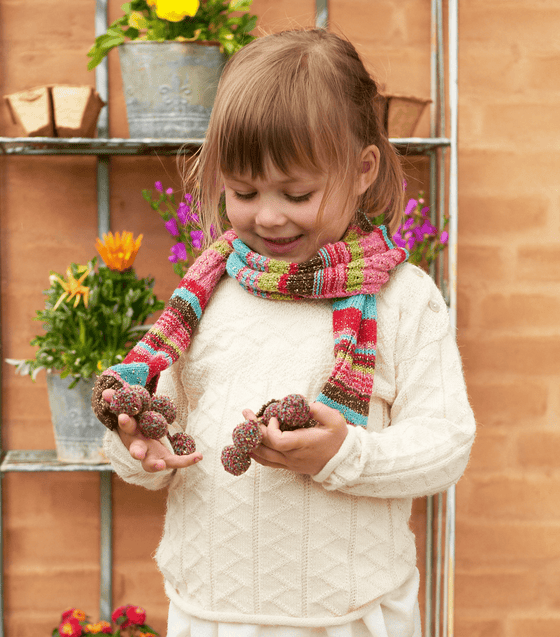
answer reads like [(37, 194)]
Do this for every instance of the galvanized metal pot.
[(169, 87), (78, 434)]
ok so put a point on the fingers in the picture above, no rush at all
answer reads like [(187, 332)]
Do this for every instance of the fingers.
[(108, 394), (249, 415), (127, 424)]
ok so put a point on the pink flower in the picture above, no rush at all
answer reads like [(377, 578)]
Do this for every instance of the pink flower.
[(444, 237), (158, 186), (169, 191), (188, 197), (171, 226)]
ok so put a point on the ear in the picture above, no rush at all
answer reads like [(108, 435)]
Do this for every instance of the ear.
[(369, 168)]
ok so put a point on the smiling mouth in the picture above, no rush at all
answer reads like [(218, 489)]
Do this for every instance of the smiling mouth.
[(281, 241)]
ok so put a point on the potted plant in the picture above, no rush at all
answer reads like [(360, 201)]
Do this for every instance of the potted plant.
[(172, 53), (92, 316)]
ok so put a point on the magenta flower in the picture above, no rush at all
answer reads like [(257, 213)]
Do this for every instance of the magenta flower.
[(158, 186), (188, 198), (213, 232), (169, 191), (182, 212), (171, 226), (410, 206), (178, 253), (197, 237), (400, 242), (428, 228), (444, 237), (406, 225)]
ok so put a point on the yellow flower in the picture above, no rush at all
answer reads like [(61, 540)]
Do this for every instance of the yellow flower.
[(137, 20), (73, 287), (176, 10), (118, 251)]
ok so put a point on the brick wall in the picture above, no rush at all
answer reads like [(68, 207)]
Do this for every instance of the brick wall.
[(508, 527)]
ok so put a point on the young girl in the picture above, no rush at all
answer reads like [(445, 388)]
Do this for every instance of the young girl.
[(313, 539)]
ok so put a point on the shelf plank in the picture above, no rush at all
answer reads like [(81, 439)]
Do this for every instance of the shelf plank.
[(116, 146), (33, 460), (94, 146)]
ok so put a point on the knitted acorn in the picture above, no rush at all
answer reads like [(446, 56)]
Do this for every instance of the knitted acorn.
[(153, 414), (292, 413)]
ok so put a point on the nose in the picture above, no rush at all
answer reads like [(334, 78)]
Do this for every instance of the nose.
[(270, 214)]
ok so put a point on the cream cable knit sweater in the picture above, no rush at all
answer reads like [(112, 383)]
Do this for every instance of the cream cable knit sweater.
[(275, 547)]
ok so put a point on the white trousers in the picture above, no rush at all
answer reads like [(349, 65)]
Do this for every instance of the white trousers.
[(395, 615)]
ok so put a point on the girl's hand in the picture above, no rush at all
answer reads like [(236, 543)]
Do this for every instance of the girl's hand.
[(152, 453), (302, 450)]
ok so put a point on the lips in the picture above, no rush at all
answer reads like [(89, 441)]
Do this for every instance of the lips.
[(282, 245)]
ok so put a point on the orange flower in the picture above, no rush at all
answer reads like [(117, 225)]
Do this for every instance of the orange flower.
[(73, 287), (118, 251)]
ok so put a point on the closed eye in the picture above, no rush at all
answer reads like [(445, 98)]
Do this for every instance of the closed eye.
[(300, 198), (244, 196)]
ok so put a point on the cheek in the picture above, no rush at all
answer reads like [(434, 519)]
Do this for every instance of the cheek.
[(235, 213)]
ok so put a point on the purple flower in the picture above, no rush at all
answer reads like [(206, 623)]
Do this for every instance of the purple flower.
[(188, 197), (171, 226), (410, 206), (425, 210), (178, 252), (193, 217), (444, 237), (197, 236), (158, 186)]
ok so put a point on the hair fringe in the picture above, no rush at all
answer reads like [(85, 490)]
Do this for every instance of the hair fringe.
[(300, 98)]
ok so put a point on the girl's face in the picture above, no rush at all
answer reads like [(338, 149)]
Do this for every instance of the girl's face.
[(276, 215)]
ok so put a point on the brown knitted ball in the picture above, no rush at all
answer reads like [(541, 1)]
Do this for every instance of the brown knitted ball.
[(247, 436), (235, 461), (183, 444), (164, 405), (152, 425)]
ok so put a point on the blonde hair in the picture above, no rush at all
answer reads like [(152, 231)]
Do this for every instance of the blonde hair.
[(300, 99)]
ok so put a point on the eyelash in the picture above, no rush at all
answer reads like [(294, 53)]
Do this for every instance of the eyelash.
[(251, 195)]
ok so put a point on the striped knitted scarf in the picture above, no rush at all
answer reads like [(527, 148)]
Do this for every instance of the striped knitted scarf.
[(350, 271)]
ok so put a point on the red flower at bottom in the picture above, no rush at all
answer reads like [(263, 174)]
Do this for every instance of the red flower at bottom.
[(71, 627), (136, 615)]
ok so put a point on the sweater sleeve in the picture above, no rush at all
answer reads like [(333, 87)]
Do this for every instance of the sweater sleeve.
[(127, 467), (426, 446)]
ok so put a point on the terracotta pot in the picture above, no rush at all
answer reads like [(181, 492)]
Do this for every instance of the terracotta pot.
[(401, 113), (56, 111)]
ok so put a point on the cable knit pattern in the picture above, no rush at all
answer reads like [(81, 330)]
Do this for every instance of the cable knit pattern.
[(275, 547)]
